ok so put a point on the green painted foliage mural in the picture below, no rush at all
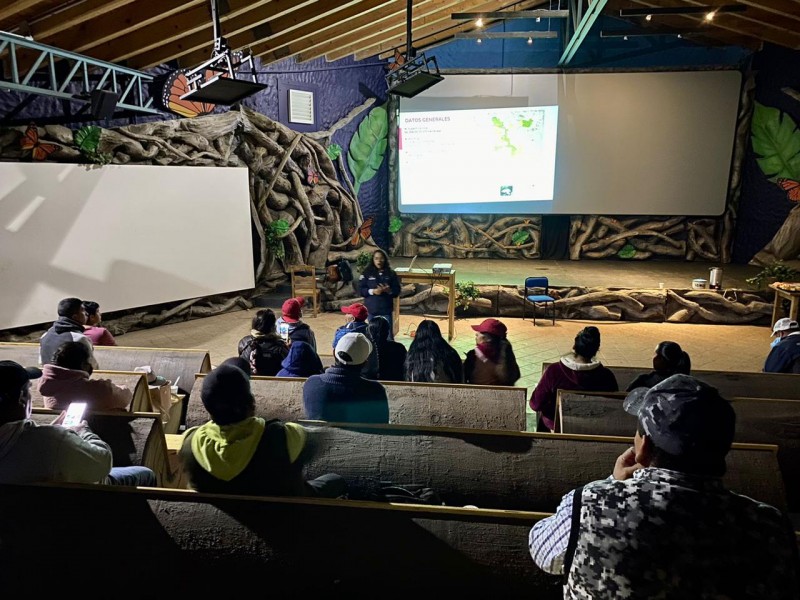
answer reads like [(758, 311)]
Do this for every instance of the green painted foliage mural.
[(368, 146), (776, 139)]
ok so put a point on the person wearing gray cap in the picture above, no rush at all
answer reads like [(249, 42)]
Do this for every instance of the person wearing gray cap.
[(785, 354), (663, 525), (30, 453)]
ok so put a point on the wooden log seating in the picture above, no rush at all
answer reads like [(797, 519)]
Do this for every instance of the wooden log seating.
[(500, 469), (167, 362), (758, 421), (134, 438), (207, 544), (730, 384), (443, 405)]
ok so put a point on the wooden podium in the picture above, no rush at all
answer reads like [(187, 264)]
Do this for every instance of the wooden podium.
[(427, 276), (794, 303)]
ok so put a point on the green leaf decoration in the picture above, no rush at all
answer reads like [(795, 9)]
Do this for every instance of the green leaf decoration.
[(334, 151), (520, 237), (627, 251), (87, 139), (368, 146), (280, 227), (776, 139), (274, 234), (395, 224)]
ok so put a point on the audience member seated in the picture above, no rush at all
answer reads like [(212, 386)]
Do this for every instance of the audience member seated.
[(301, 361), (67, 328), (291, 320), (430, 358), (669, 360), (492, 361), (68, 380), (341, 394), (663, 525), (576, 371), (30, 453), (785, 354), (390, 354), (239, 453), (263, 348), (356, 322), (99, 336)]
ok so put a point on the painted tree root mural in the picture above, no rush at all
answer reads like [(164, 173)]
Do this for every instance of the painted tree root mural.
[(301, 211), (602, 304)]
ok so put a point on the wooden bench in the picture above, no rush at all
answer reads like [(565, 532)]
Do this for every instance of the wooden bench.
[(497, 469), (136, 382), (758, 421), (203, 544), (438, 404), (134, 438), (729, 383), (167, 362)]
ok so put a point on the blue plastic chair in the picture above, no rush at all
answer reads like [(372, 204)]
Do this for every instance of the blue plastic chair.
[(539, 283)]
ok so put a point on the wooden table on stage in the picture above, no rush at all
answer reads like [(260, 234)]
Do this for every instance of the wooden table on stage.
[(792, 297), (427, 276)]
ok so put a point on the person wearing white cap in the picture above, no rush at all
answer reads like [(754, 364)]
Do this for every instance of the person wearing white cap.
[(341, 394), (785, 354)]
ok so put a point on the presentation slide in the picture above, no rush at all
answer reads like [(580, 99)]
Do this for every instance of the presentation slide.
[(483, 161)]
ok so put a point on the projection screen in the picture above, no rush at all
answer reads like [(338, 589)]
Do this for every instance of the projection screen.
[(625, 144), (124, 236)]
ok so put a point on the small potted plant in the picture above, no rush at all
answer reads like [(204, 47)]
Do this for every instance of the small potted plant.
[(777, 271), (466, 293)]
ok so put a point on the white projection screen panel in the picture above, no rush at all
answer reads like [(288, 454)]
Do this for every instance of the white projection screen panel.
[(123, 236), (627, 143)]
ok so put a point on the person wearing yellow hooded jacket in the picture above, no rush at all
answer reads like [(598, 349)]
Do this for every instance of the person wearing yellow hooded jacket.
[(239, 453)]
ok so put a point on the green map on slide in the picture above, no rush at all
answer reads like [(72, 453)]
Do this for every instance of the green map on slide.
[(523, 129)]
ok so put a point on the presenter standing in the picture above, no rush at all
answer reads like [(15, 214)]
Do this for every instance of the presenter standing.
[(379, 286)]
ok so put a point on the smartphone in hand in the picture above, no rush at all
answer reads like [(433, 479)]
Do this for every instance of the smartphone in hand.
[(74, 414), (283, 329)]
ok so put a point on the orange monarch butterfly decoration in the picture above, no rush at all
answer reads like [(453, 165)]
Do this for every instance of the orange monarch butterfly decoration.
[(175, 86), (39, 150), (791, 187), (363, 232), (399, 60)]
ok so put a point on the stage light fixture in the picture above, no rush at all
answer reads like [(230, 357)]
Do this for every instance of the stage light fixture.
[(479, 40), (639, 32), (648, 17), (479, 23), (418, 73), (710, 16), (681, 10), (530, 41), (222, 88)]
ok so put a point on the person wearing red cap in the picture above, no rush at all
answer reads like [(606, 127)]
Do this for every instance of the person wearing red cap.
[(380, 286), (290, 325), (357, 316), (492, 361)]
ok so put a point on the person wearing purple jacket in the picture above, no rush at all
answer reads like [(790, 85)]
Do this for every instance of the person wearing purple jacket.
[(576, 371)]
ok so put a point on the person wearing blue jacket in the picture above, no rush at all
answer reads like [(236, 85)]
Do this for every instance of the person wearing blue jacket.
[(380, 286), (301, 361)]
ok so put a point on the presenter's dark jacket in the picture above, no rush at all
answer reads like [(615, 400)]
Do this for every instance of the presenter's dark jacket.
[(380, 304)]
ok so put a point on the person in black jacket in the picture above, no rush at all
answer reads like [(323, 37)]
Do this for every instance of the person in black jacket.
[(379, 285), (263, 348), (431, 359), (668, 360), (391, 355)]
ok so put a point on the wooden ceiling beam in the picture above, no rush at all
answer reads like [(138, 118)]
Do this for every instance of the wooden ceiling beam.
[(297, 24), (72, 16), (789, 9), (273, 50), (19, 10), (374, 32), (168, 32), (755, 21)]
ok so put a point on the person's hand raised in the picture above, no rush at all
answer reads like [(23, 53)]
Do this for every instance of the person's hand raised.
[(626, 465)]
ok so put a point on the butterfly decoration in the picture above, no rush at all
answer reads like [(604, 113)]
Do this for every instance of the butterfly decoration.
[(791, 187), (363, 232), (313, 177), (399, 60), (39, 150), (175, 86)]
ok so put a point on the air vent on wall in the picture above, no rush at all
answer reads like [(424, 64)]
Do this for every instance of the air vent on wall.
[(301, 107)]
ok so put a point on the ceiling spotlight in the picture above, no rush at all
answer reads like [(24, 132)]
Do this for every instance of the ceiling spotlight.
[(479, 40), (530, 41), (625, 38), (680, 37), (538, 19), (710, 15), (648, 18), (479, 23)]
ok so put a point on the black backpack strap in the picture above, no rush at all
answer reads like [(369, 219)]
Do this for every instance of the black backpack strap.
[(574, 530)]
